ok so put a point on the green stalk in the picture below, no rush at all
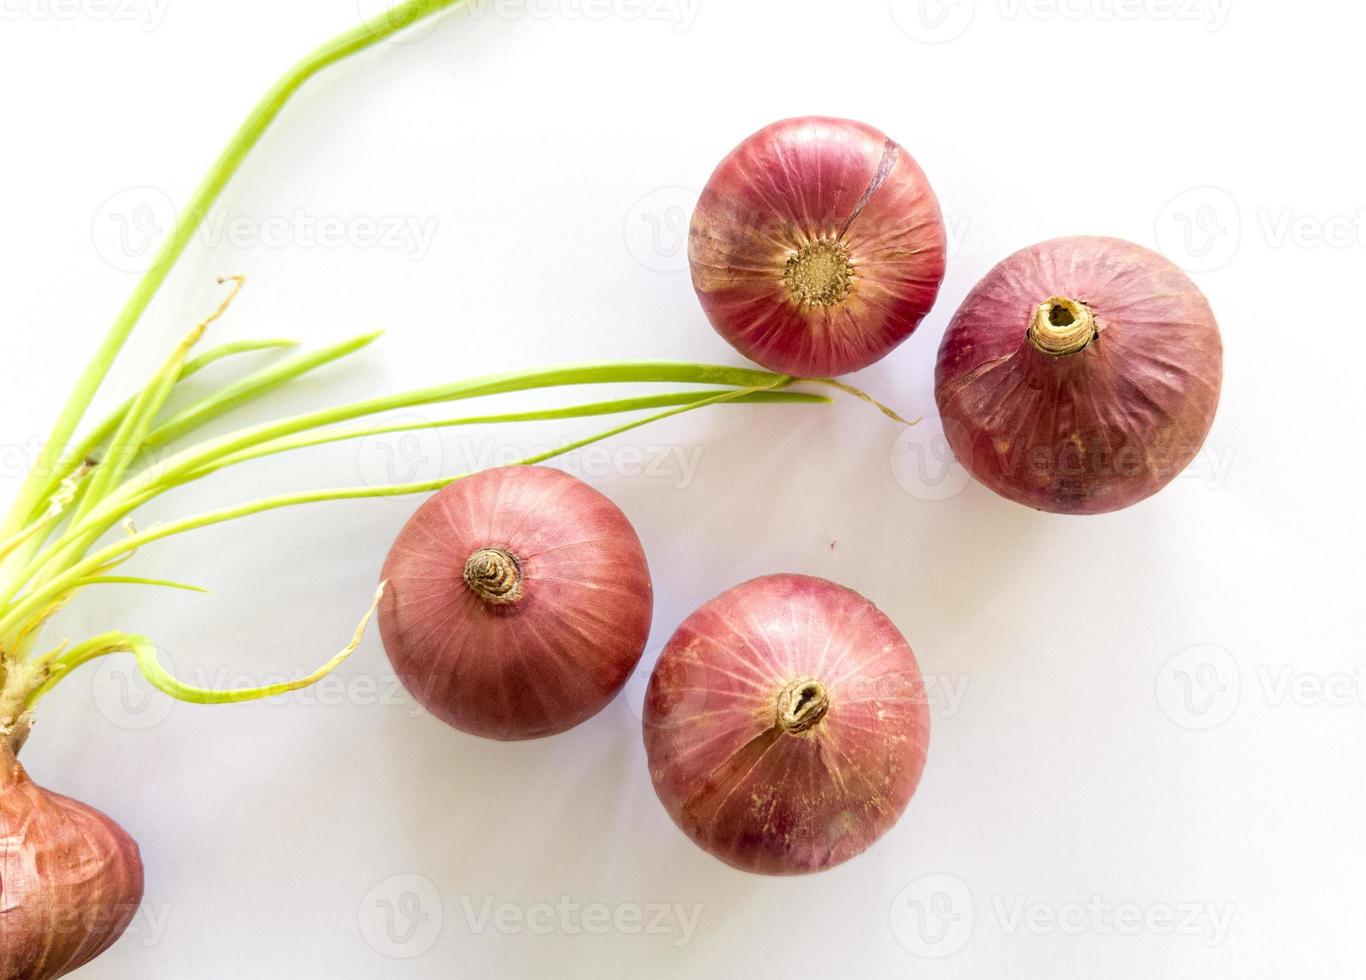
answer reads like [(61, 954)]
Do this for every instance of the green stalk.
[(169, 474), (63, 663), (101, 435), (251, 388), (207, 409), (159, 583), (129, 436), (202, 460), (229, 161), (290, 444), (215, 354), (33, 606), (617, 407)]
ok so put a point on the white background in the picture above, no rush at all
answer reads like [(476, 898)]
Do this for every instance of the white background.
[(1146, 756)]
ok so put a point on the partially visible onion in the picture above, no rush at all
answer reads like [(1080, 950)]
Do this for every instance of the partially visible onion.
[(786, 725), (518, 603), (817, 246), (70, 879), (1080, 376)]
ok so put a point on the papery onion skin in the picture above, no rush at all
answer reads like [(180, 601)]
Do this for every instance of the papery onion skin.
[(738, 776), (1091, 430), (70, 879), (817, 246), (560, 622)]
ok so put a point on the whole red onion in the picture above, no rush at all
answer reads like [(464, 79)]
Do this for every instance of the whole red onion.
[(1080, 376), (518, 603), (817, 246), (70, 879), (786, 725)]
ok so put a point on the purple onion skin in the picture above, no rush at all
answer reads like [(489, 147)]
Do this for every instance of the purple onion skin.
[(817, 246), (70, 879), (548, 638), (1091, 430), (786, 725)]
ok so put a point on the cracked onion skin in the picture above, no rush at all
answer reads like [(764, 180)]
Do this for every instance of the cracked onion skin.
[(518, 603), (1081, 376), (786, 725), (70, 879), (817, 246)]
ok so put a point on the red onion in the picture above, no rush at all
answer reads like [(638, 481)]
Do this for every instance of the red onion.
[(70, 879), (1080, 376), (817, 246), (518, 603), (786, 725)]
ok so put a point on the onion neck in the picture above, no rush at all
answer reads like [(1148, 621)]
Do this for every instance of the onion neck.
[(801, 706), (494, 575), (18, 681), (1062, 326), (11, 772)]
